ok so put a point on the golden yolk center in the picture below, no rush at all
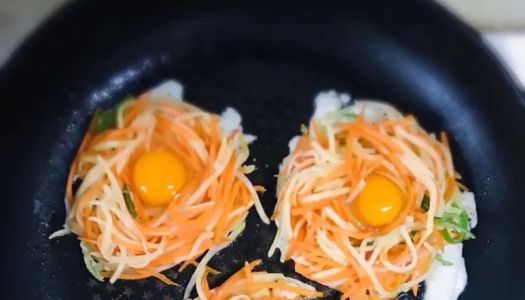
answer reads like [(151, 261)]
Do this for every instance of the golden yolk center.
[(158, 177), (379, 203)]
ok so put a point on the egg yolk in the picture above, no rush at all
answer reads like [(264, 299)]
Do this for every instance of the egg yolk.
[(379, 202), (158, 177)]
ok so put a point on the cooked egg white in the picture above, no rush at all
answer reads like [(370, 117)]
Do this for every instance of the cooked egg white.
[(329, 101), (169, 88), (447, 282), (231, 120)]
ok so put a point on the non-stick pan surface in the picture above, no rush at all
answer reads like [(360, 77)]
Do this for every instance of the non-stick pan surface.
[(267, 59)]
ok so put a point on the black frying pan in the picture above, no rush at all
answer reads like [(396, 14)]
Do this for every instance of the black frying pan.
[(268, 60)]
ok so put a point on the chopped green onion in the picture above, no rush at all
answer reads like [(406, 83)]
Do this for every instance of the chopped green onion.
[(108, 118), (442, 261), (103, 119), (452, 240), (129, 203), (425, 203), (348, 115), (463, 217), (455, 227)]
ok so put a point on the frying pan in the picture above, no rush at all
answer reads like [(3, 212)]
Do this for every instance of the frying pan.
[(267, 59)]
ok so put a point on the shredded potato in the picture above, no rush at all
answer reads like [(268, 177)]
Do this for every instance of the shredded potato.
[(249, 284), (123, 237), (328, 168)]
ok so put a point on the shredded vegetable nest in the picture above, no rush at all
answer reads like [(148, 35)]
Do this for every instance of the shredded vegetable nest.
[(247, 284), (326, 171), (124, 237)]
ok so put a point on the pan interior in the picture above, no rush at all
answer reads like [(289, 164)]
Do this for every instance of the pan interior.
[(267, 63)]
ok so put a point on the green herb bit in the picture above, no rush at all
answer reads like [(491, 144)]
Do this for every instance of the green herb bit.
[(107, 118), (103, 119), (425, 203), (455, 227), (442, 261), (129, 202)]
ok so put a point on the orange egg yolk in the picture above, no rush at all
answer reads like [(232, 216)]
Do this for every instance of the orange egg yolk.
[(158, 177), (379, 203)]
